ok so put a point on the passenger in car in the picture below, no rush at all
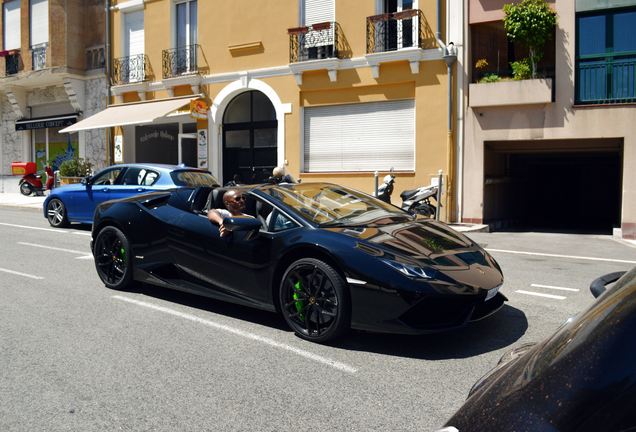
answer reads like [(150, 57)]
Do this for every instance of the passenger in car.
[(234, 202)]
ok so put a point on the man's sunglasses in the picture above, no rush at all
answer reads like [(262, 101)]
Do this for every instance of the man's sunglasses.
[(239, 198)]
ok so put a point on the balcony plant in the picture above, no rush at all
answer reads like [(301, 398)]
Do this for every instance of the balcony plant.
[(531, 23), (74, 170)]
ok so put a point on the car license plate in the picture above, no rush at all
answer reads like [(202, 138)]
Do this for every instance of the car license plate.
[(491, 293)]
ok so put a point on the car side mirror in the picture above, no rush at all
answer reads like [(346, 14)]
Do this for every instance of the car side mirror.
[(251, 225), (598, 286), (86, 180)]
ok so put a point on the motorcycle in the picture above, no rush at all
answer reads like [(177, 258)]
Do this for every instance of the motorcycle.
[(414, 201), (31, 182)]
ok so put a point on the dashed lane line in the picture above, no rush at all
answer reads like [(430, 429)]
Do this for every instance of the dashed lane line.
[(561, 256), (34, 228), (531, 293), (83, 253), (554, 287), (26, 275), (247, 335)]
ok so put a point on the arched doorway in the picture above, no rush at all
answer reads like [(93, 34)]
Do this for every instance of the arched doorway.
[(250, 132)]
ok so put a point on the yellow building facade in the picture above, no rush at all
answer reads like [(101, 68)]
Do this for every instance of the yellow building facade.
[(333, 90)]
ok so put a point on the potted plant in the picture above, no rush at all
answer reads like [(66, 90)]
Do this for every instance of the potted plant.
[(74, 170), (531, 23)]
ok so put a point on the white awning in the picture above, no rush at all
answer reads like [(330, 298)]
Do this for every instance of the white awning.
[(131, 113)]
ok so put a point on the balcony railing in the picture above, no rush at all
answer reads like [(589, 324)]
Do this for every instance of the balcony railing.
[(38, 55), (13, 63), (394, 31), (95, 58), (131, 69), (315, 42), (606, 81), (180, 61)]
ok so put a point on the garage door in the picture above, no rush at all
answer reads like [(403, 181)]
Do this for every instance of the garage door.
[(360, 137)]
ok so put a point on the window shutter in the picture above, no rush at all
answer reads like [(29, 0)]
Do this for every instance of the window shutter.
[(39, 22), (360, 137), (12, 24), (134, 28), (318, 11)]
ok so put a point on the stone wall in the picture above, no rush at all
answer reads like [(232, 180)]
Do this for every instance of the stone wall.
[(10, 140), (96, 98)]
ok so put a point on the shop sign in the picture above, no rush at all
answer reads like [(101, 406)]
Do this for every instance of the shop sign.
[(119, 149), (199, 109), (43, 123)]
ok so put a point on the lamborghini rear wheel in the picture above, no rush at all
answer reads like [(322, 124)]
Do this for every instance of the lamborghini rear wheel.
[(314, 300), (112, 258)]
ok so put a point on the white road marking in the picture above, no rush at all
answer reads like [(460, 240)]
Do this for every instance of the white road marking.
[(562, 256), (554, 287), (34, 228), (556, 297), (311, 356), (86, 257), (53, 248), (82, 233), (20, 274)]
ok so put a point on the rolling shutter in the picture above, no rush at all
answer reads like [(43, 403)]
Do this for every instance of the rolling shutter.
[(360, 137), (11, 24), (134, 32), (39, 22), (318, 11)]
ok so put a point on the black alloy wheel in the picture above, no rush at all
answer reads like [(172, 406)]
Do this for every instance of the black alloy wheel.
[(314, 300), (26, 188), (112, 258), (56, 213)]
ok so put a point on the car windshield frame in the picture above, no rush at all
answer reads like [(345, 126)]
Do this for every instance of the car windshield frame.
[(329, 205), (199, 174)]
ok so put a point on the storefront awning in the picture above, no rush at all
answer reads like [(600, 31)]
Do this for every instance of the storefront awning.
[(131, 113)]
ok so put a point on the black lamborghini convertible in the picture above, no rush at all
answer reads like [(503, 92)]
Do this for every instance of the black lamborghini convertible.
[(327, 257)]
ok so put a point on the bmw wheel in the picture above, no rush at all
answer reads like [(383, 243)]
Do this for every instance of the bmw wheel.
[(26, 188), (112, 258), (314, 301), (56, 213)]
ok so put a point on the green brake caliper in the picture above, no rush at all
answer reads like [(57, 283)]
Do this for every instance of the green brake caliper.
[(299, 303), (122, 253)]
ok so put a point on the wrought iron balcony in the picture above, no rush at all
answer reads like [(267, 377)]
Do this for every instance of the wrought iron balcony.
[(131, 69), (606, 81), (394, 31), (13, 63), (38, 55), (314, 42), (180, 61)]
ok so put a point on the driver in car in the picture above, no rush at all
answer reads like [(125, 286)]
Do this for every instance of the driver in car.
[(234, 202)]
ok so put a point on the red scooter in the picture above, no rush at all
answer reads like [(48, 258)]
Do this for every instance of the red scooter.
[(30, 181)]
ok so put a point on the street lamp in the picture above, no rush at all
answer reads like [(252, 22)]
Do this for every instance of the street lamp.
[(450, 57)]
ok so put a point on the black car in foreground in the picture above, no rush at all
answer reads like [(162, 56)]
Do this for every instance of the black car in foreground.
[(328, 258), (582, 378)]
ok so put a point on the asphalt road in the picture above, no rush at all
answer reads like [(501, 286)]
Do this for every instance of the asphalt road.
[(77, 356)]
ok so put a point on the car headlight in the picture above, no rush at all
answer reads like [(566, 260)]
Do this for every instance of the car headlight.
[(409, 270)]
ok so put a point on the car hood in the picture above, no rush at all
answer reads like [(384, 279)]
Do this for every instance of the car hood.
[(430, 244)]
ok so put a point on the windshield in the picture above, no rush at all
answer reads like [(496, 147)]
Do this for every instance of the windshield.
[(332, 205), (193, 178)]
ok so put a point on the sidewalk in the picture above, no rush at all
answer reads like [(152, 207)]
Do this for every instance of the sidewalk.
[(10, 194)]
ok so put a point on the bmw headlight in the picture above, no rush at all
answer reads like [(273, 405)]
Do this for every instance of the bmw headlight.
[(409, 270)]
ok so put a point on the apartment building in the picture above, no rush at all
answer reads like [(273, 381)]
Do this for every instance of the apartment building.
[(556, 153), (333, 90), (51, 75)]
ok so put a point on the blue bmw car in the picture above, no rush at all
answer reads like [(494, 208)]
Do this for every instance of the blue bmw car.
[(77, 202)]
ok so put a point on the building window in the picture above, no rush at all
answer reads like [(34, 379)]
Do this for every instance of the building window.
[(51, 146), (186, 20), (606, 56), (360, 137), (11, 24), (39, 22)]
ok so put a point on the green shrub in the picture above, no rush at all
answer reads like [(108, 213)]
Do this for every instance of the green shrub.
[(76, 167), (521, 69), (490, 78)]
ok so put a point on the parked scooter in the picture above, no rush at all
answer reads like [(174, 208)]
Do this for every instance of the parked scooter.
[(414, 201), (31, 182)]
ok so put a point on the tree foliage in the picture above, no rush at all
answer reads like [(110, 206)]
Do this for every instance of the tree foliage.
[(531, 23)]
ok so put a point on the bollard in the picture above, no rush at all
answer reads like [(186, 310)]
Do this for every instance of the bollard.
[(439, 194), (375, 179)]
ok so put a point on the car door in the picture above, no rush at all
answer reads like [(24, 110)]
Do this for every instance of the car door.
[(235, 265), (133, 181), (82, 202)]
